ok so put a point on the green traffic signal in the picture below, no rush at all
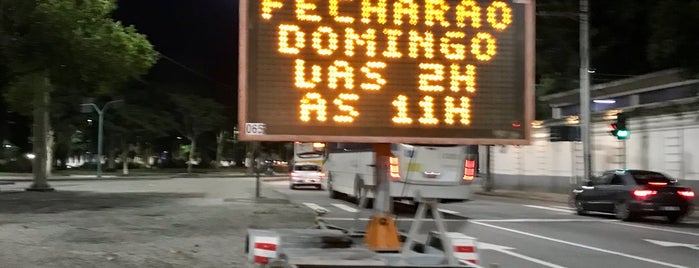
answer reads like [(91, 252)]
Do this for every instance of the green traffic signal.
[(619, 129), (622, 134)]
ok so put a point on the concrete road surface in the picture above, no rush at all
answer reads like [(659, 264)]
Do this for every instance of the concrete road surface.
[(523, 233)]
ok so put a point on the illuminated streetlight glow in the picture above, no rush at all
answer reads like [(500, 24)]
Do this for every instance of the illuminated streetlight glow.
[(605, 101)]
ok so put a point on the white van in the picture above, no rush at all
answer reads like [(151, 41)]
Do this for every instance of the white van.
[(435, 171)]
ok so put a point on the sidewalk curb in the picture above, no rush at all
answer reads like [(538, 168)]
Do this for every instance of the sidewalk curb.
[(274, 179), (152, 177), (523, 196), (89, 179)]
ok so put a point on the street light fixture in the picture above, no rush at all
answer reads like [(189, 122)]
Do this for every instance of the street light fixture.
[(605, 101), (87, 108)]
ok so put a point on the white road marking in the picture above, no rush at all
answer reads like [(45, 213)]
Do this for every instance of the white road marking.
[(508, 251), (399, 219), (672, 244), (564, 207), (548, 208), (545, 220), (580, 245), (448, 211), (345, 207), (490, 220), (654, 228), (315, 207)]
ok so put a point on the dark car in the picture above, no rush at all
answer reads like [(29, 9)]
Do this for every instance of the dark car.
[(630, 194)]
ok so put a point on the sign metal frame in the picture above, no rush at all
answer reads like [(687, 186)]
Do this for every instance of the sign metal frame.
[(245, 84)]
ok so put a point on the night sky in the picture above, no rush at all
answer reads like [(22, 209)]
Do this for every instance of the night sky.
[(198, 40)]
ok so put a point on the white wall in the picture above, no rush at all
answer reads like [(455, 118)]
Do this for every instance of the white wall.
[(691, 157), (667, 143)]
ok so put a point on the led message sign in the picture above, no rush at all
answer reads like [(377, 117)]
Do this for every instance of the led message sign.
[(414, 71)]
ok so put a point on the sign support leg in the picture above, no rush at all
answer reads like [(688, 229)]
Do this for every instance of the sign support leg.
[(381, 232)]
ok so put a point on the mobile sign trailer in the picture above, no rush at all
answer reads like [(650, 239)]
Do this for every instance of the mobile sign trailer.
[(387, 71), (383, 71)]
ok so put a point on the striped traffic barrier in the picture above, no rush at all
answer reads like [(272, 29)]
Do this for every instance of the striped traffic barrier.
[(265, 248)]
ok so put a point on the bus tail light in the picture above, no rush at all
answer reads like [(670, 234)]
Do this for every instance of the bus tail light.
[(469, 170), (393, 168)]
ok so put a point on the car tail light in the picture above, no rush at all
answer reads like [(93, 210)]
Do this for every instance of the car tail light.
[(654, 183), (469, 170), (393, 168), (294, 175), (321, 175), (686, 193), (643, 193)]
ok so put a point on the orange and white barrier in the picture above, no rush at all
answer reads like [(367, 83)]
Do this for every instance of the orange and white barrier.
[(264, 248), (466, 253), (464, 247)]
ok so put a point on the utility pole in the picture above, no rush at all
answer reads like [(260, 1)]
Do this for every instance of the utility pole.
[(100, 130), (585, 89), (256, 166)]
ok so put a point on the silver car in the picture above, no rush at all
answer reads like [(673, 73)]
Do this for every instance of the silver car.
[(306, 174)]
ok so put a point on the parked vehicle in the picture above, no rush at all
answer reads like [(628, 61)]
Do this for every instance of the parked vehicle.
[(444, 171), (309, 152), (630, 194), (306, 174)]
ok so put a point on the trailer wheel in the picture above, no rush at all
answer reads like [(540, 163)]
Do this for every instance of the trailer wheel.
[(358, 185), (333, 194)]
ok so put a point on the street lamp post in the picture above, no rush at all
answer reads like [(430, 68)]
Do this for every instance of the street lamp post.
[(100, 129), (585, 71)]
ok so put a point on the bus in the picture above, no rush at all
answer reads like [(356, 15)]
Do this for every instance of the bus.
[(431, 171), (309, 152)]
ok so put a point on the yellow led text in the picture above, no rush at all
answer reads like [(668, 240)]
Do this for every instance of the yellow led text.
[(433, 73), (313, 103), (427, 106), (325, 41), (349, 111), (339, 71), (353, 44)]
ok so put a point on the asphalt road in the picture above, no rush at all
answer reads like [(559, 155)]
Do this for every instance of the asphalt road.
[(527, 233)]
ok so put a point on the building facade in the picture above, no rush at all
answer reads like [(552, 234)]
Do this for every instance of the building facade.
[(662, 111)]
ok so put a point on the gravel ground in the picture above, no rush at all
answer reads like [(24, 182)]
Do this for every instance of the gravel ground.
[(79, 228)]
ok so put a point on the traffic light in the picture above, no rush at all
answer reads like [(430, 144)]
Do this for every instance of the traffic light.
[(619, 129)]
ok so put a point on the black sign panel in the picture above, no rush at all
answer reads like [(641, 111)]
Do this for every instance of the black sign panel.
[(418, 71)]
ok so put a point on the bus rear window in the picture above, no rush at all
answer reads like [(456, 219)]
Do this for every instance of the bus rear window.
[(306, 168), (310, 155)]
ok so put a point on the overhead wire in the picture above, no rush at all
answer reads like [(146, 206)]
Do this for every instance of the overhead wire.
[(193, 71)]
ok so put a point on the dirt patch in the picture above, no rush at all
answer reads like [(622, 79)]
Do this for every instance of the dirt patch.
[(87, 229)]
